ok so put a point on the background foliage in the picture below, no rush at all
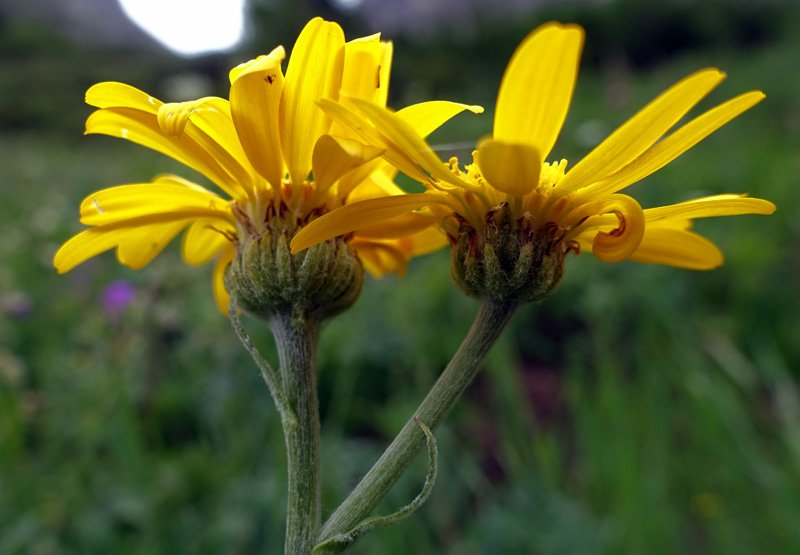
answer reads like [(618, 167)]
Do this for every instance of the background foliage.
[(639, 410)]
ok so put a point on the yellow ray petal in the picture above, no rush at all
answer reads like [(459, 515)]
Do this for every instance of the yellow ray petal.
[(428, 240), (384, 73), (209, 124), (221, 296), (399, 226), (510, 168), (142, 244), (362, 65), (381, 257), (640, 132), (713, 206), (85, 245), (676, 247), (136, 244), (620, 242), (335, 156), (143, 129), (409, 143), (255, 101), (356, 216), (370, 135), (111, 94), (164, 197), (427, 117), (676, 144), (204, 239), (537, 86), (314, 72)]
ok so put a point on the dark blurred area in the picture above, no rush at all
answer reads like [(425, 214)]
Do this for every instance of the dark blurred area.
[(52, 51)]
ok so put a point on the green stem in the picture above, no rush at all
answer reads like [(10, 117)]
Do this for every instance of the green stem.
[(296, 338), (489, 323)]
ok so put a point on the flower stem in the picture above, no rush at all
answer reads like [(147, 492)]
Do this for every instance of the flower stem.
[(296, 338), (489, 323)]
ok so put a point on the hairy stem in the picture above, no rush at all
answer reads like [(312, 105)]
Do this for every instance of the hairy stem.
[(489, 323), (296, 338)]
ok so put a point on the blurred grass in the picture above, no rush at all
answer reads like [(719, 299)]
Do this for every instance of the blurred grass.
[(639, 410)]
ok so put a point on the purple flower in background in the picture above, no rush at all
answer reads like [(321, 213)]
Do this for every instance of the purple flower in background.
[(116, 297)]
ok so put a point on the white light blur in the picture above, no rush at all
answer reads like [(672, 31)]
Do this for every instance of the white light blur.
[(190, 27)]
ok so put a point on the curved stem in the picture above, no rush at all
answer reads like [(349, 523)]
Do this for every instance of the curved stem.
[(492, 317), (296, 338)]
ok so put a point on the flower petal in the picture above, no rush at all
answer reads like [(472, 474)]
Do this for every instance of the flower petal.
[(136, 244), (537, 86), (640, 132), (335, 156), (85, 245), (381, 257), (209, 124), (359, 215), (408, 142), (677, 143), (166, 196), (361, 75), (221, 296), (427, 117), (143, 129), (713, 206), (365, 131), (384, 73), (143, 243), (622, 241), (510, 168), (204, 239), (255, 108), (677, 247), (314, 72), (399, 226), (111, 94)]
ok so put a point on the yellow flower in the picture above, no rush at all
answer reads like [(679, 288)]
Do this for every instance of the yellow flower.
[(573, 210), (260, 148)]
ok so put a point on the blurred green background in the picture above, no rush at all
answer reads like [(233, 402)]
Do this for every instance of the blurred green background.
[(640, 409)]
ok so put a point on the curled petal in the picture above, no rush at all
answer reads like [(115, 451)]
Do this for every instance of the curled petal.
[(621, 242), (173, 116)]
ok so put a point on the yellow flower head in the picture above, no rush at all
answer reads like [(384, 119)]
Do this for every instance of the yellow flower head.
[(261, 148), (577, 209)]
